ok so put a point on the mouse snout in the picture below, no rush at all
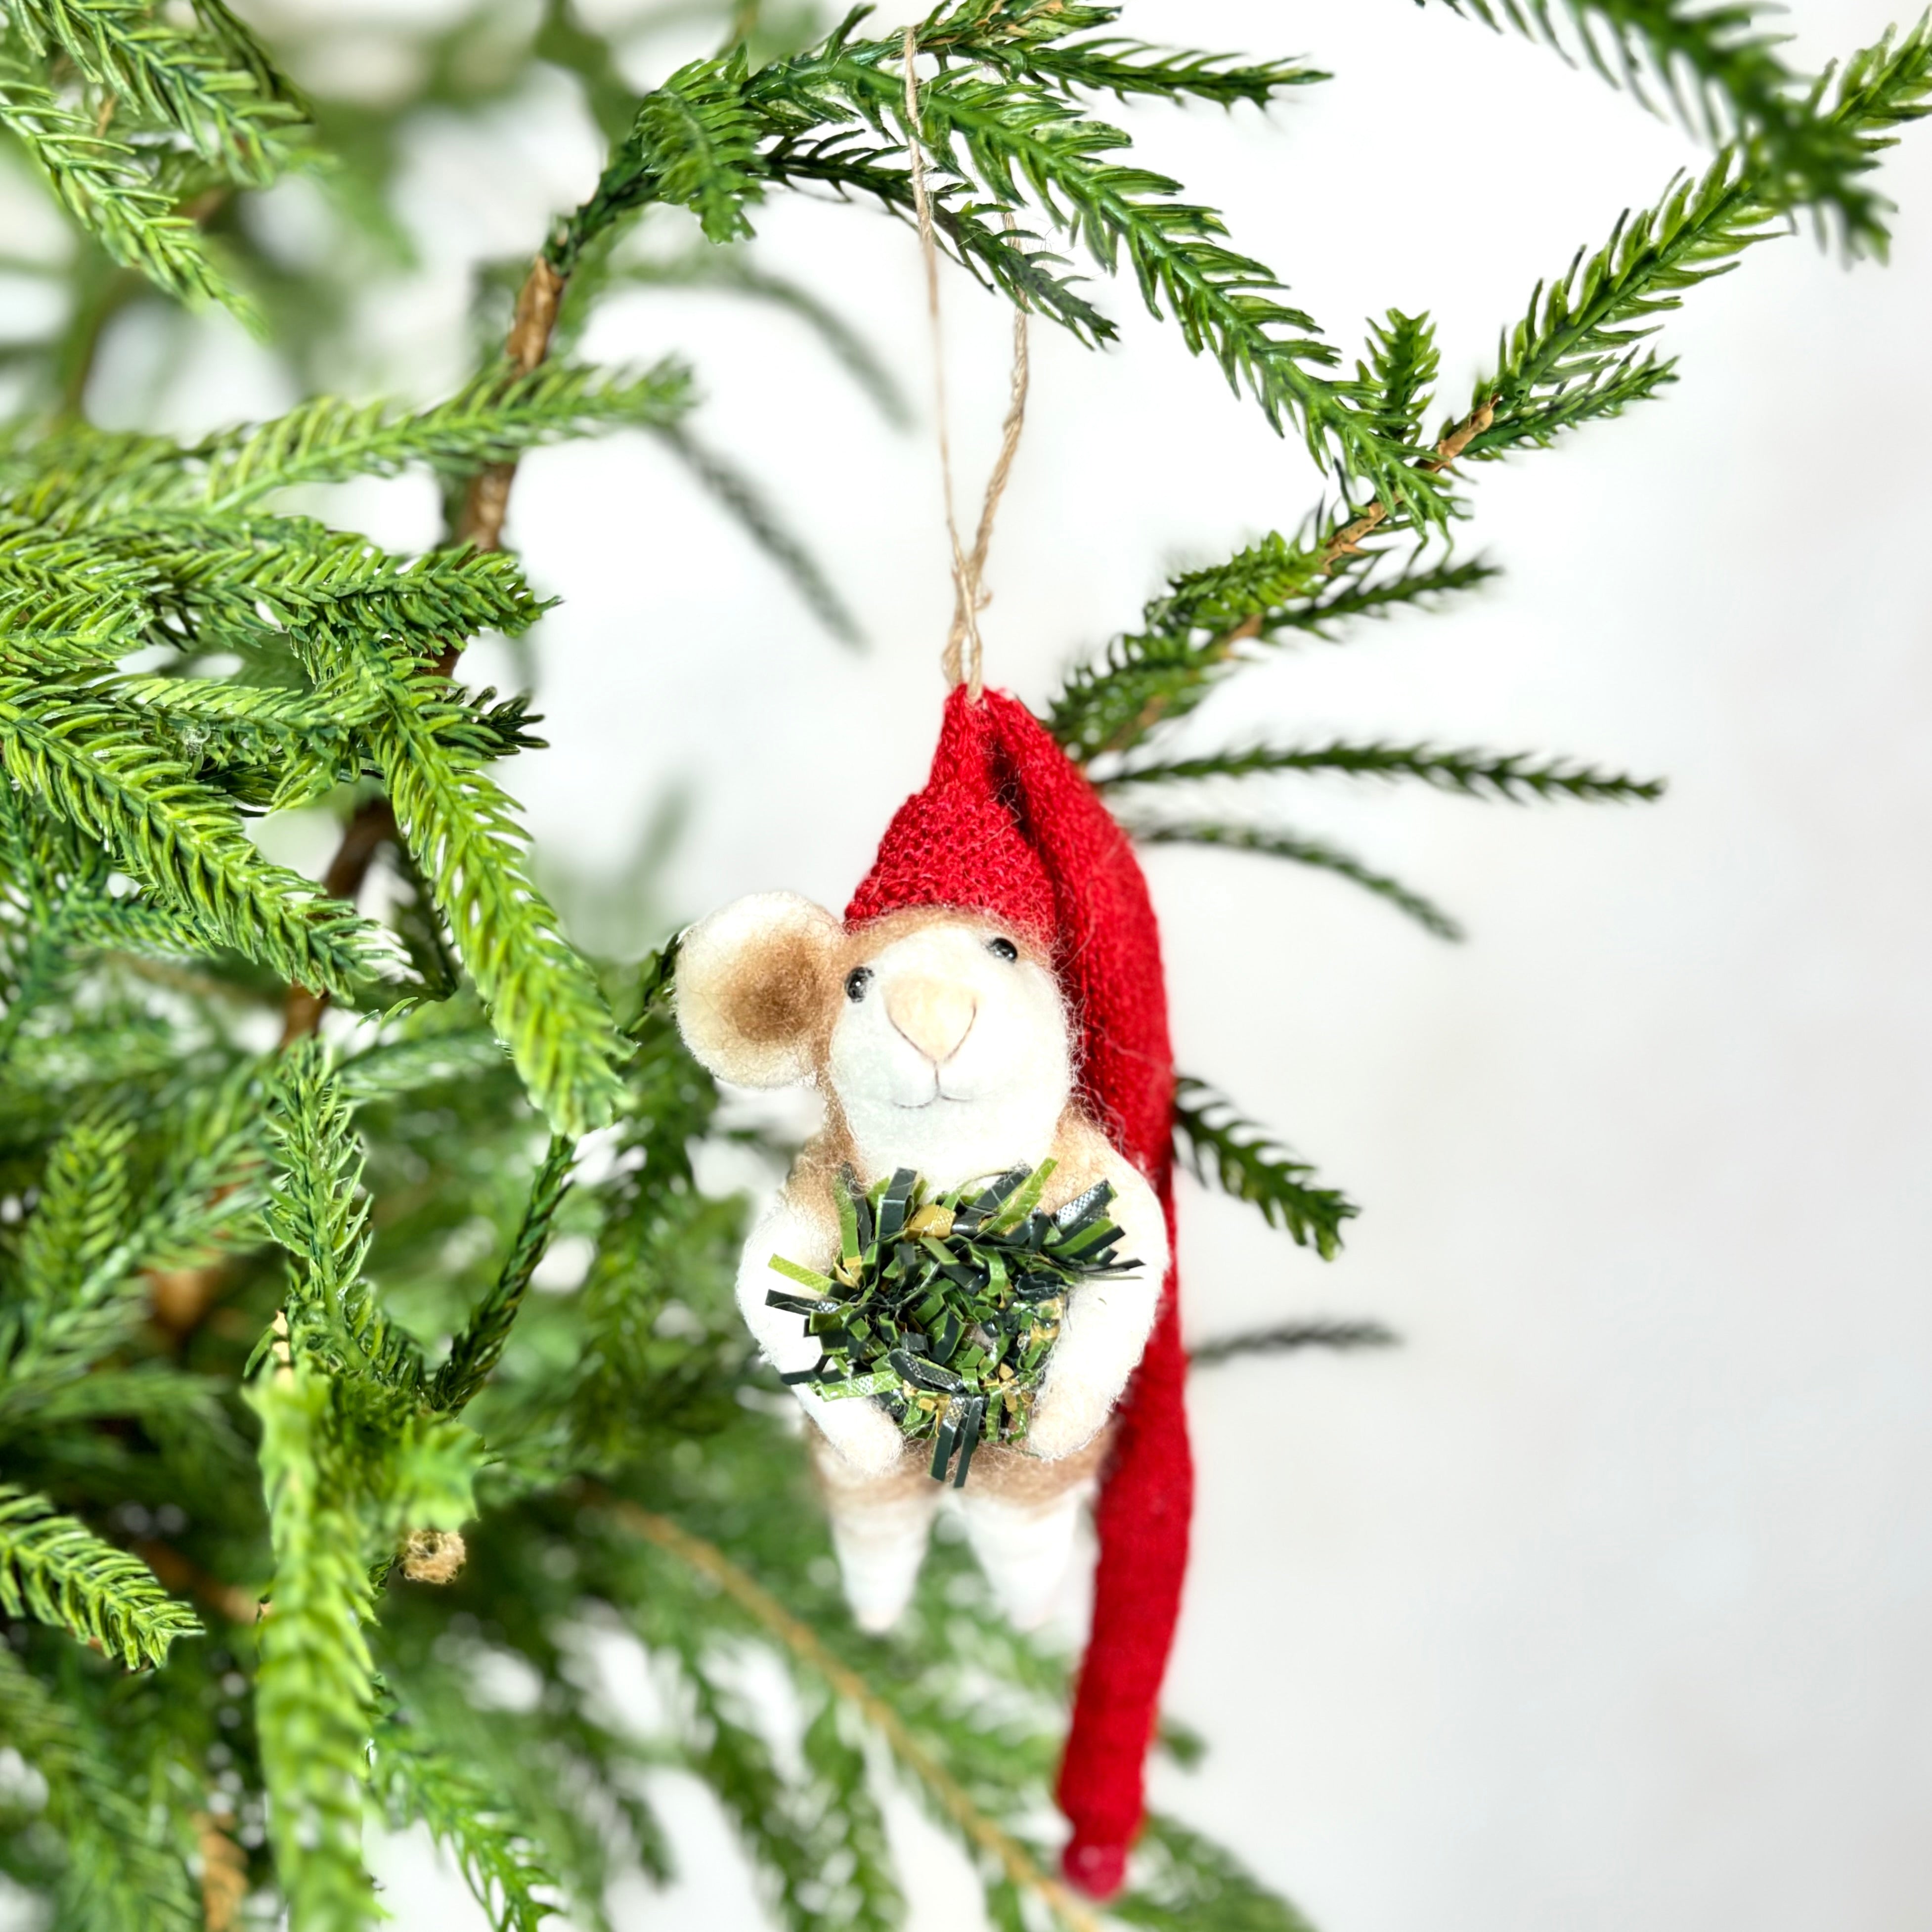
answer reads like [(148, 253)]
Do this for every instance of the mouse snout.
[(935, 1014)]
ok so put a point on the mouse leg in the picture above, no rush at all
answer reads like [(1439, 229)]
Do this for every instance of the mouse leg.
[(879, 1529), (1024, 1544)]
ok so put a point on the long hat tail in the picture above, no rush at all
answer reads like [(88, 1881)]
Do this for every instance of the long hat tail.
[(1004, 813)]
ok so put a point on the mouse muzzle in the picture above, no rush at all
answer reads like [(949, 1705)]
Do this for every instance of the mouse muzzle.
[(935, 1015)]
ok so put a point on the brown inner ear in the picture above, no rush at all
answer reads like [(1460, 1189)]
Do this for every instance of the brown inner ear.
[(777, 989)]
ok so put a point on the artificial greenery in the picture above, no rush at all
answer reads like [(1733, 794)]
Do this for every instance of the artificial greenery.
[(943, 1308), (292, 1312)]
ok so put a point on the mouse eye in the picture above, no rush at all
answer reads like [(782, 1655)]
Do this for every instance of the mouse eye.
[(1003, 949), (856, 981)]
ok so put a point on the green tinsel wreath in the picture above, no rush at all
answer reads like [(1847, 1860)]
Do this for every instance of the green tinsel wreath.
[(944, 1309)]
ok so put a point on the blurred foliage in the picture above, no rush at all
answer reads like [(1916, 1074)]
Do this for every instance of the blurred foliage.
[(286, 1322)]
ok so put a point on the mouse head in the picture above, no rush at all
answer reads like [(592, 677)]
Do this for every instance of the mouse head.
[(939, 1037)]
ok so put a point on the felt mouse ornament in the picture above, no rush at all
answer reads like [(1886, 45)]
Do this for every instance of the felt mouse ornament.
[(992, 998)]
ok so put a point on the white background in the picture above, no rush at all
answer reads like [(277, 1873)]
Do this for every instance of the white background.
[(1603, 1602)]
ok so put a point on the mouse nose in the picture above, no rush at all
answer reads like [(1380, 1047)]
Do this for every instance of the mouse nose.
[(934, 1015)]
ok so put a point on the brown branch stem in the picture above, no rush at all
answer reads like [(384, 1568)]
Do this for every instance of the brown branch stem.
[(1347, 541), (805, 1643), (479, 525)]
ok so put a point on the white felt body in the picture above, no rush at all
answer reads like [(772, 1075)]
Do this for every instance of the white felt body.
[(948, 1055)]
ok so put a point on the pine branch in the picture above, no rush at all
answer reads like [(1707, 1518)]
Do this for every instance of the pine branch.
[(206, 1187), (1514, 775), (475, 1351), (318, 1214), (1290, 1336), (414, 1782), (1222, 1150), (1575, 356), (314, 1692), (1300, 851), (101, 182), (176, 80), (81, 1212), (543, 1002), (54, 1567), (999, 124), (1195, 633), (492, 419), (804, 1643), (1722, 73), (115, 1878), (91, 764), (246, 585)]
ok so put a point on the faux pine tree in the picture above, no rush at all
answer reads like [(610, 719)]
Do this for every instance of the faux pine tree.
[(289, 1452)]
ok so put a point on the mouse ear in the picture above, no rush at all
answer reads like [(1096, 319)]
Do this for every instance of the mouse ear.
[(754, 985)]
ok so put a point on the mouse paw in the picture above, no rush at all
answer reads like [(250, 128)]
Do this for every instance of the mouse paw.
[(866, 1438), (1066, 1419)]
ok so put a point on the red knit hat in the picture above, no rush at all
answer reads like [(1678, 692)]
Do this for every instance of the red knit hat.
[(958, 842), (1008, 826)]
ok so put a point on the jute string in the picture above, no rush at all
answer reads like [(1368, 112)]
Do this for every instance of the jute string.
[(964, 660)]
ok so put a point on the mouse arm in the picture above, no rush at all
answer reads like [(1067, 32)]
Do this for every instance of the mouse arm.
[(860, 1430), (1106, 1324)]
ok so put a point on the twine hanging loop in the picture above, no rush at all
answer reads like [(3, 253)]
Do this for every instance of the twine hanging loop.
[(963, 659)]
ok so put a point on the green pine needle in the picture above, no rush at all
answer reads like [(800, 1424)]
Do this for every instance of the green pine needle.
[(1722, 73), (1514, 776), (1222, 1150), (114, 1874), (54, 1567), (103, 183), (416, 1783), (314, 1687), (998, 123), (475, 1351), (1210, 622)]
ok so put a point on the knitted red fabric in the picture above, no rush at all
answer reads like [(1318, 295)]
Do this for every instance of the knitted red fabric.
[(1007, 825)]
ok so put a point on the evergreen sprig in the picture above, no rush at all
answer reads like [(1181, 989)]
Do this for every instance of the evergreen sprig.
[(1222, 1150), (84, 759), (109, 1872), (177, 78), (102, 183), (1514, 776), (477, 1350), (314, 1687), (494, 418), (999, 121), (54, 1567), (1208, 622), (1576, 356), (416, 1783), (1721, 70)]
